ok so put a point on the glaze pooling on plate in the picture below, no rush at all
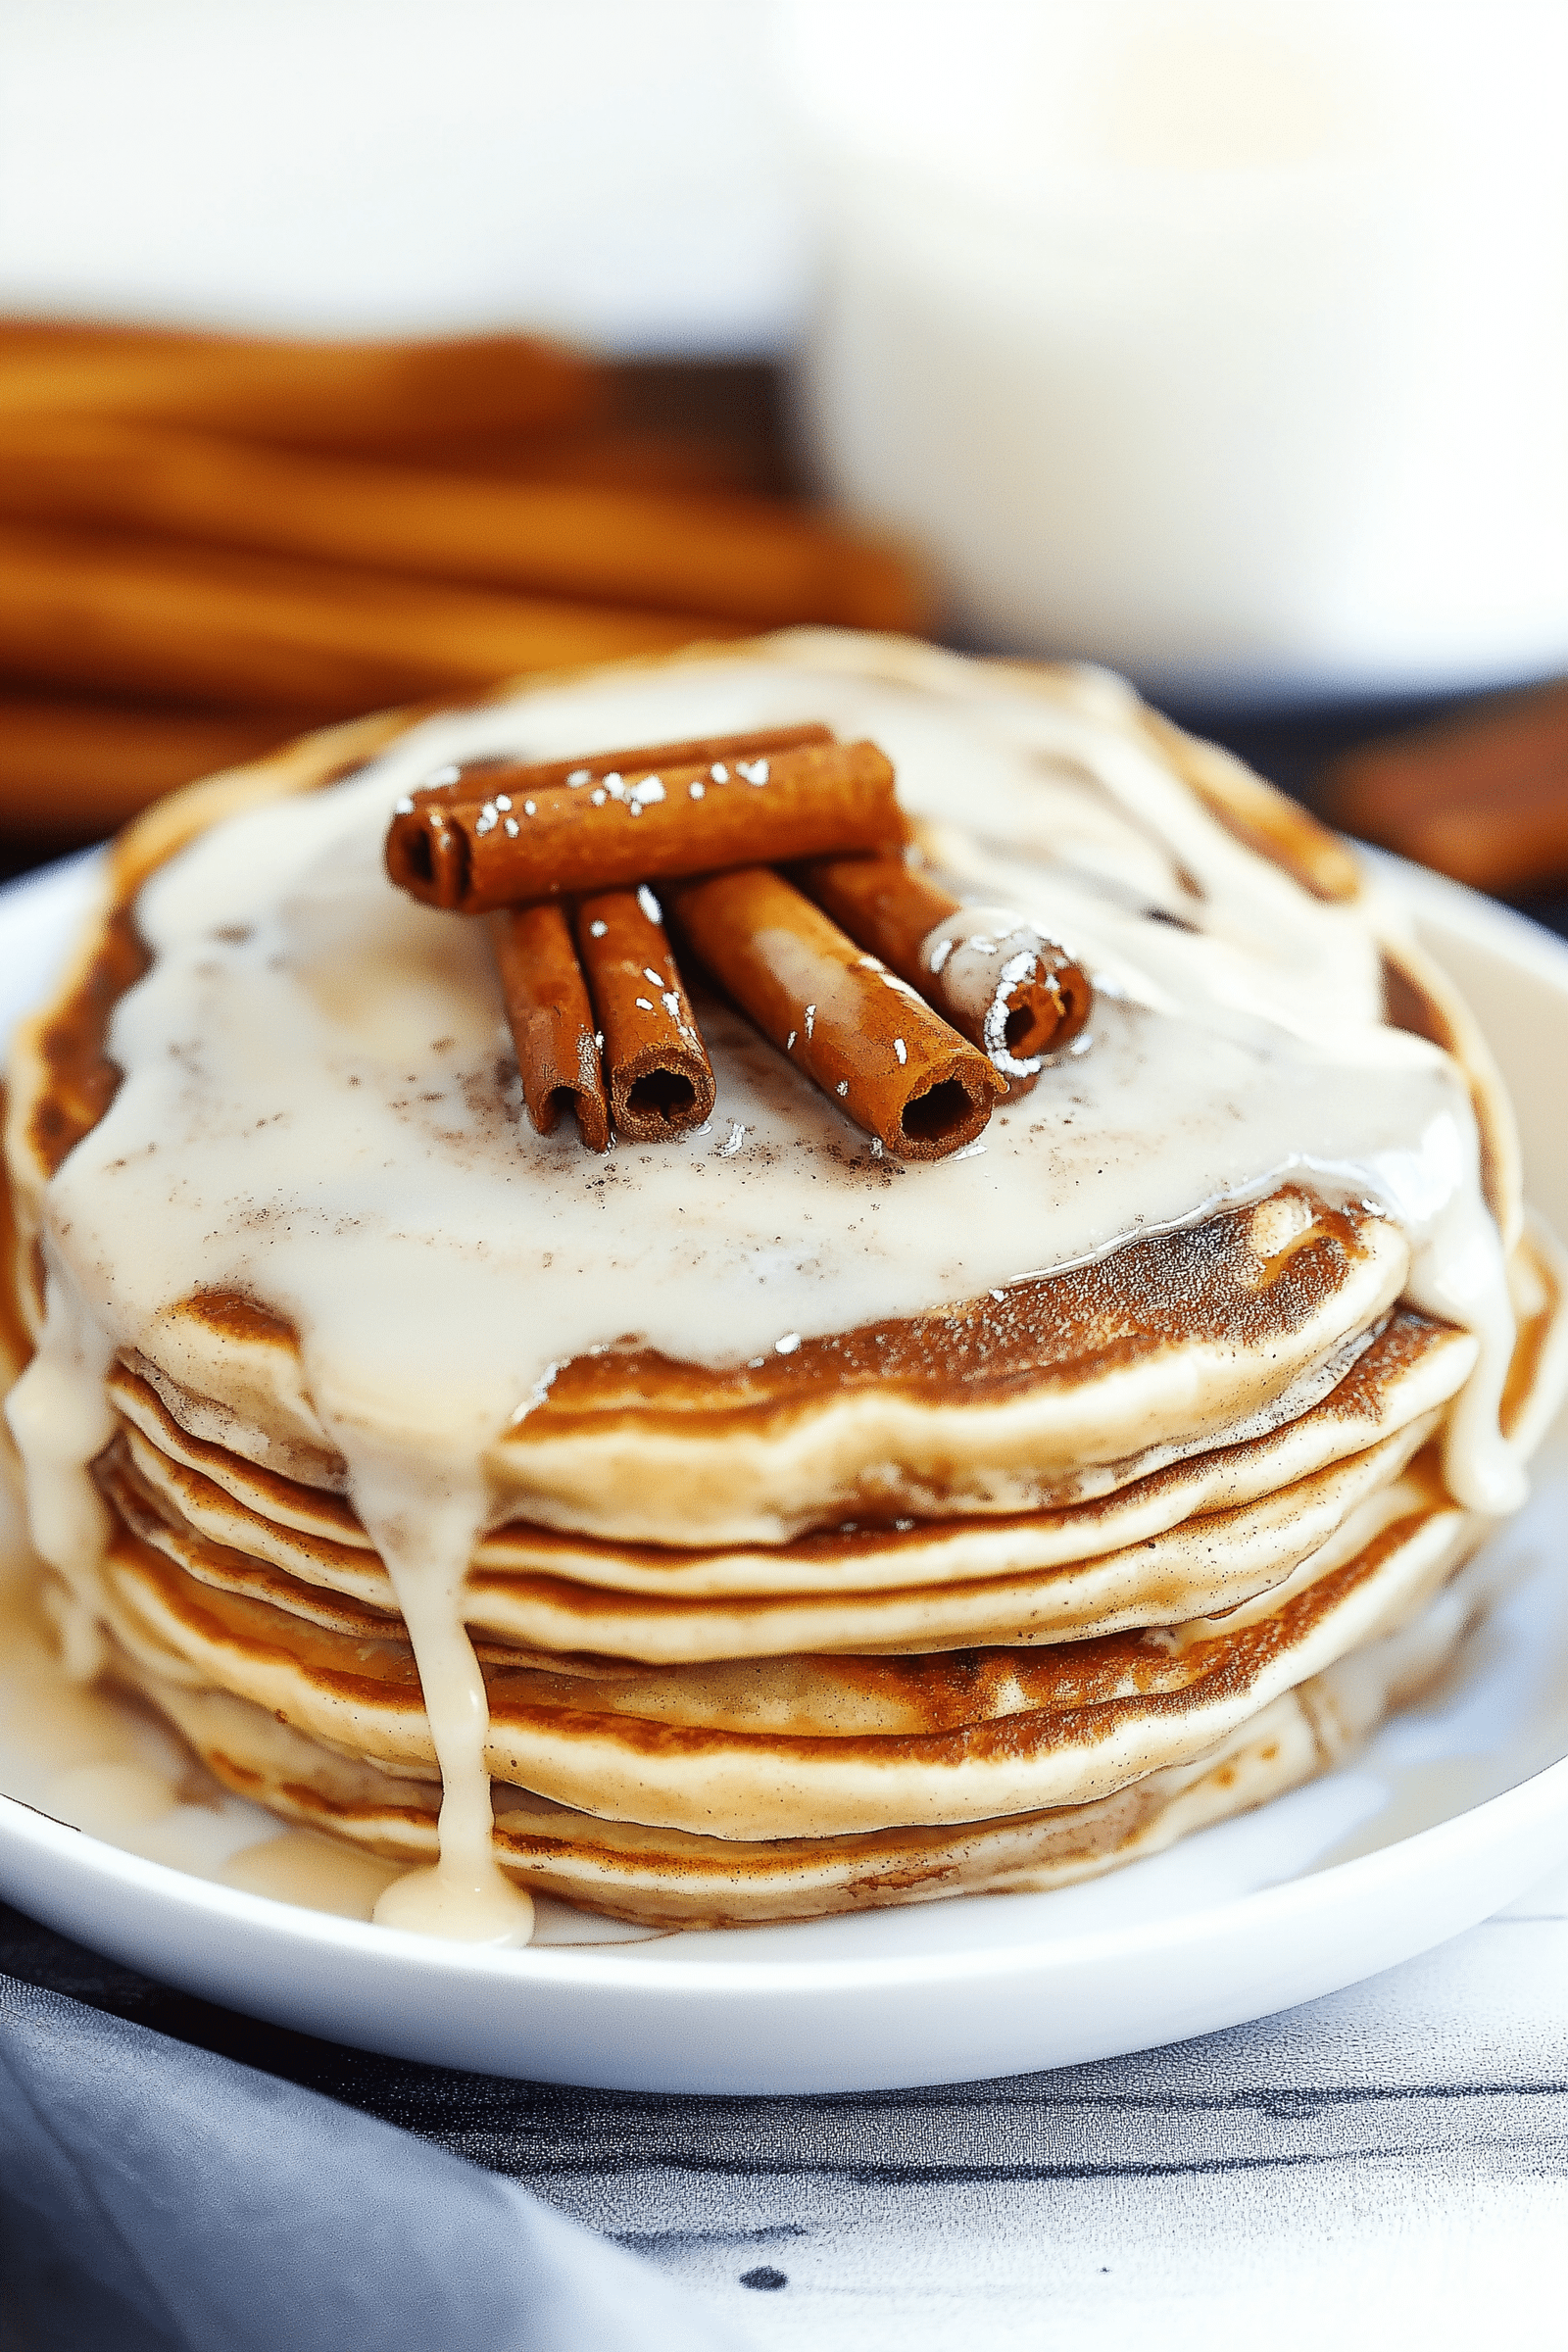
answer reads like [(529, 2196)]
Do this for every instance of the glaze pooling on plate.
[(317, 1113)]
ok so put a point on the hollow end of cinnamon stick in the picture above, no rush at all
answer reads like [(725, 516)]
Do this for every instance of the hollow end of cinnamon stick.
[(862, 1034), (660, 1093), (551, 1023), (1018, 997), (660, 1079), (951, 1112), (1039, 1015), (1031, 1018), (428, 854), (896, 912)]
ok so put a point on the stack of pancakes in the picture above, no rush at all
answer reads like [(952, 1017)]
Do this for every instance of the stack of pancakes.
[(994, 1597), (1102, 1655)]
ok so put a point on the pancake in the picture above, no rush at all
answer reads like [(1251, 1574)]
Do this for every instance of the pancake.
[(851, 1603), (669, 1878), (1410, 1368), (815, 1745), (1049, 1394), (1212, 1561), (751, 1525)]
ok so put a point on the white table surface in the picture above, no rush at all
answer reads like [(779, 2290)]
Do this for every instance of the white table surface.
[(1391, 2163), (1388, 2166)]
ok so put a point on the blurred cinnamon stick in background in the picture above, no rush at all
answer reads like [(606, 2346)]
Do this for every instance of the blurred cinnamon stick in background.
[(209, 542), (305, 395), (69, 769), (750, 560), (1481, 795), (153, 620)]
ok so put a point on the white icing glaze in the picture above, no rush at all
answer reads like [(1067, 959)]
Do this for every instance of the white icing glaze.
[(318, 1109), (61, 1418)]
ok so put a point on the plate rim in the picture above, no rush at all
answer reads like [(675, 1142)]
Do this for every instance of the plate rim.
[(1490, 1820)]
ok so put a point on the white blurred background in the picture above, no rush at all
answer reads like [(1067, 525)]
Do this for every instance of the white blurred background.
[(613, 171), (1226, 340)]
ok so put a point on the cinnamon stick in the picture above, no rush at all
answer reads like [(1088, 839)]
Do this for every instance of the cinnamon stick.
[(473, 857), (998, 980), (77, 769), (622, 456), (868, 1041), (331, 395), (254, 630), (750, 558), (661, 1079), (482, 779), (551, 1022), (1481, 794)]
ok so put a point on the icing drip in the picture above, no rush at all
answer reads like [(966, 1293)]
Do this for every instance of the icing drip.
[(320, 1112), (61, 1418), (1457, 1272), (425, 1504), (426, 1546)]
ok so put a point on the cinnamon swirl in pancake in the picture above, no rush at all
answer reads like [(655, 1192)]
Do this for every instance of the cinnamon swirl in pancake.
[(751, 1525)]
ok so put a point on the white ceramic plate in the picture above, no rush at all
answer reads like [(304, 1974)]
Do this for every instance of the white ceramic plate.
[(1454, 1811)]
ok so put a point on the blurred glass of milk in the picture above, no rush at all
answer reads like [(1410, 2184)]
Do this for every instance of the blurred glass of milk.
[(1224, 340)]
